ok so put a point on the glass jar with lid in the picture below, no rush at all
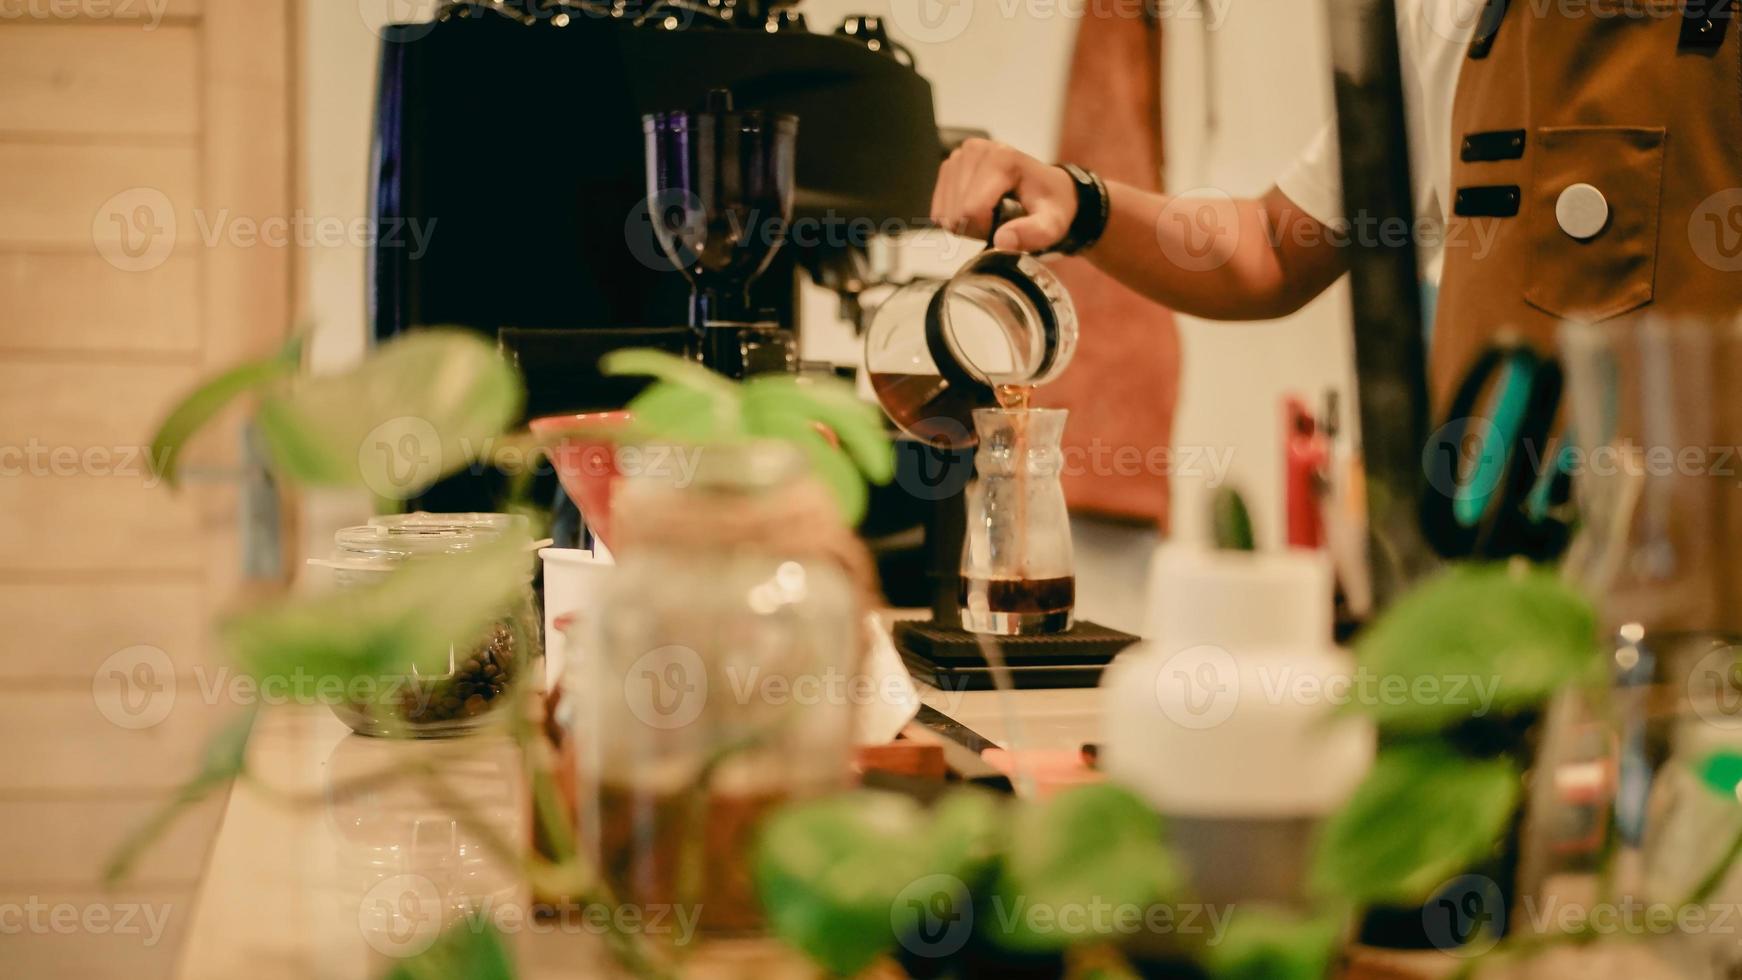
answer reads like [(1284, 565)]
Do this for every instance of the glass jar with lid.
[(719, 686), (469, 692)]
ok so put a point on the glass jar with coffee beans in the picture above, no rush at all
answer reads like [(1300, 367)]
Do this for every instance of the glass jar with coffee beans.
[(475, 685)]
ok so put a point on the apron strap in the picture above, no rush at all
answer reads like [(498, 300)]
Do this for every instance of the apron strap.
[(1488, 28), (1704, 23)]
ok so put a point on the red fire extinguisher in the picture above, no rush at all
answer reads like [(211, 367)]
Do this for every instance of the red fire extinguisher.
[(1306, 461)]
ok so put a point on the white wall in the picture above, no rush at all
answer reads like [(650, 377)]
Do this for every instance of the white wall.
[(335, 118), (1242, 99)]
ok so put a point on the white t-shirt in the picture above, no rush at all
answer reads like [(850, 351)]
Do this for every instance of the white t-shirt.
[(1433, 38)]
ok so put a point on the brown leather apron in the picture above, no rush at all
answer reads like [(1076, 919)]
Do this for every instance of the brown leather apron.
[(1593, 141), (1597, 146), (1123, 386)]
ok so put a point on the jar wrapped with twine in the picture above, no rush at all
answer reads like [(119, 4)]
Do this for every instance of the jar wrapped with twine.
[(722, 682)]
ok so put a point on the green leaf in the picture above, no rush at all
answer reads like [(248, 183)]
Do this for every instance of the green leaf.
[(1231, 522), (856, 423), (1274, 944), (690, 404), (460, 953), (313, 645), (199, 408), (1088, 847), (827, 463), (841, 878), (422, 406), (224, 760), (828, 874), (1721, 772), (670, 413), (966, 832), (1423, 815), (1510, 635), (679, 371)]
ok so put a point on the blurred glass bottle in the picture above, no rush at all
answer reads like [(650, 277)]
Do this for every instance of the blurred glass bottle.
[(718, 688), (1627, 807)]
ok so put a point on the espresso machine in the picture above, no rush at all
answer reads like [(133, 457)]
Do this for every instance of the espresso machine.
[(513, 133)]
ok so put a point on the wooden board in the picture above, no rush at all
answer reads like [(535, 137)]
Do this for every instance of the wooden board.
[(146, 124), (61, 742), (99, 525), (68, 195), (71, 79), (114, 406), (63, 628), (66, 843), (149, 14), (113, 928), (76, 303)]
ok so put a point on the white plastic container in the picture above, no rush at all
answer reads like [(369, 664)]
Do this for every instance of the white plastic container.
[(574, 580), (1223, 719)]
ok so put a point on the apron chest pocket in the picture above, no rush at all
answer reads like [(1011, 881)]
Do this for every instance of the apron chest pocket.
[(1591, 215)]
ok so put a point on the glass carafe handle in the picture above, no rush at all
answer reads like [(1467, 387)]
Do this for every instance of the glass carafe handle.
[(1008, 209)]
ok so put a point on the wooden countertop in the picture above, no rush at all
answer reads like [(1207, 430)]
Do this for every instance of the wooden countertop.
[(323, 869)]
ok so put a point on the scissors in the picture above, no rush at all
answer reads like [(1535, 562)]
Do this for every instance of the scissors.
[(1498, 483)]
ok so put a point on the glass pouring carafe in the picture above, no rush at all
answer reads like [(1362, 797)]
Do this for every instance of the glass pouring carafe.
[(1018, 576), (937, 350)]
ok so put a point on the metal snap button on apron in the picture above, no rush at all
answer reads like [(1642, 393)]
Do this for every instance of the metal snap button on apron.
[(1582, 211)]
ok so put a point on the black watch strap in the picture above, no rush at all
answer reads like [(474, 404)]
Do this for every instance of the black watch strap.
[(1094, 206)]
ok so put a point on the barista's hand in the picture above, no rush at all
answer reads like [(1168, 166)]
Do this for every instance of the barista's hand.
[(978, 175)]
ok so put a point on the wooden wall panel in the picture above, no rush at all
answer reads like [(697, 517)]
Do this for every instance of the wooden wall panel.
[(52, 194), (146, 13), (65, 627), (180, 107), (133, 954), (99, 525), (114, 406), (66, 843), (247, 153), (99, 80), (59, 742), (76, 302)]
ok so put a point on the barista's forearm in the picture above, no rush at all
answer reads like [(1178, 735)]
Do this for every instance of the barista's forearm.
[(1216, 257)]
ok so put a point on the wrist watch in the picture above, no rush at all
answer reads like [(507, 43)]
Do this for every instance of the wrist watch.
[(1093, 208)]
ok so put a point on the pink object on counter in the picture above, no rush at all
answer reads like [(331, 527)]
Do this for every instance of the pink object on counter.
[(1053, 770), (583, 449)]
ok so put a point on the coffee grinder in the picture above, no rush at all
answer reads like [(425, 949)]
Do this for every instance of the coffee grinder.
[(719, 193)]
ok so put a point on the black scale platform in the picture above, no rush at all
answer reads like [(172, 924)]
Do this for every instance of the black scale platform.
[(950, 659)]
